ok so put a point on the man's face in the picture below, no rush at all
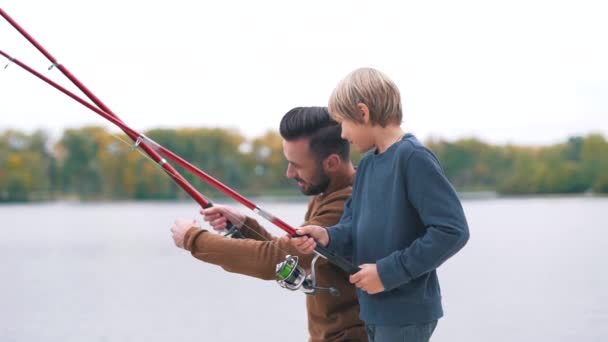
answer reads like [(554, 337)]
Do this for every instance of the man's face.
[(304, 168)]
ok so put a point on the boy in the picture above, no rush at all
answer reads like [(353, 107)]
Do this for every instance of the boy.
[(404, 218)]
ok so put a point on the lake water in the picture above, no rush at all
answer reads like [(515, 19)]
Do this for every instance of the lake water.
[(534, 270)]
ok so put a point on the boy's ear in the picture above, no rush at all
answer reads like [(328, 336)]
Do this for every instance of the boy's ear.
[(364, 112)]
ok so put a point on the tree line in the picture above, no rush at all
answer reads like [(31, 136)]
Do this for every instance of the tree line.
[(92, 163)]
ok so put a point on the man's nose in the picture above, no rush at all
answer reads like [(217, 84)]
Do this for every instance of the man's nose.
[(290, 172)]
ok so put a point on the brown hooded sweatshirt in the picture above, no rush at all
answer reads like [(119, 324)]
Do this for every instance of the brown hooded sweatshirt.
[(329, 318)]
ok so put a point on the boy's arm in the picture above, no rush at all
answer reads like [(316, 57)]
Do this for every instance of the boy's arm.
[(340, 235), (327, 214), (440, 211)]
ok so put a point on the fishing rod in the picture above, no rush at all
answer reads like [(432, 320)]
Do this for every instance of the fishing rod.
[(290, 274), (231, 230)]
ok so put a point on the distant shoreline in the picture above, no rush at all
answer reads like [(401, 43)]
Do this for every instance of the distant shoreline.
[(464, 196)]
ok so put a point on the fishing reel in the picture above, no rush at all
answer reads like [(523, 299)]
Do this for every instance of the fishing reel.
[(233, 232), (292, 276)]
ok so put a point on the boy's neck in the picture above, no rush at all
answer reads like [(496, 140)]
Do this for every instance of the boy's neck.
[(385, 137)]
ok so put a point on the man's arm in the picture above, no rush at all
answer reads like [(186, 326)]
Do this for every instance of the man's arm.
[(258, 258), (251, 229), (245, 256)]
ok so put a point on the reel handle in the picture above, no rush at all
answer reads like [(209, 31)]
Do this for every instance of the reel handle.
[(332, 290)]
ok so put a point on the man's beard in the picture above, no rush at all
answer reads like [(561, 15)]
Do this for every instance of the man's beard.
[(315, 189)]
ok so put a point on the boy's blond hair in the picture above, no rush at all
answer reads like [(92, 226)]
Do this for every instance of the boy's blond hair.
[(372, 88)]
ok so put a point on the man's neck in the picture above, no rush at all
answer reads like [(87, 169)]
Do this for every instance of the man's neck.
[(341, 178)]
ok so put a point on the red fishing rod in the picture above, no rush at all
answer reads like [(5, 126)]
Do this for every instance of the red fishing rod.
[(137, 138), (287, 271), (140, 138)]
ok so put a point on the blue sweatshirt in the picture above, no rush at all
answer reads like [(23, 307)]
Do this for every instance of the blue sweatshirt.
[(405, 217)]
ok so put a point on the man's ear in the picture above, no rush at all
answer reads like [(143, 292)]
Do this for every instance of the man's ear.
[(331, 162), (364, 112)]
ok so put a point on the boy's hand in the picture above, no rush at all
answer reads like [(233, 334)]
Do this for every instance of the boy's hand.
[(305, 244), (219, 214), (179, 229), (368, 279)]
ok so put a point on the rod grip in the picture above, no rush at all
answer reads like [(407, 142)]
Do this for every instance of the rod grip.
[(337, 260), (231, 230)]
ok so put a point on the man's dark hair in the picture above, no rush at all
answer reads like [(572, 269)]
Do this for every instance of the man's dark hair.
[(315, 123)]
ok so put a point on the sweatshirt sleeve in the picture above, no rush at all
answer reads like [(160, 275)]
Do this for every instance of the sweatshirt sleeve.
[(245, 256), (253, 230), (340, 235), (440, 210), (328, 213)]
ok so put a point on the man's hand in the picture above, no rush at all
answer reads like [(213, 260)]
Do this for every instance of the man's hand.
[(305, 244), (368, 279), (218, 215), (179, 229)]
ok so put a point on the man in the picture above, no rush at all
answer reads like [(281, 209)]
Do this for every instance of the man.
[(318, 160)]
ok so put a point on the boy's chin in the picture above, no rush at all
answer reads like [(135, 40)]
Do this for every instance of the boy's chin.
[(362, 149)]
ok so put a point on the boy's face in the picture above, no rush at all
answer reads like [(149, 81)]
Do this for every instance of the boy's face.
[(358, 134), (304, 167)]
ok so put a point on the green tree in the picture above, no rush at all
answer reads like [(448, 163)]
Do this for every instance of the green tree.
[(80, 166), (25, 166)]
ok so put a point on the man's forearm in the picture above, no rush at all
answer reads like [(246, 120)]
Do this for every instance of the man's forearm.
[(244, 256)]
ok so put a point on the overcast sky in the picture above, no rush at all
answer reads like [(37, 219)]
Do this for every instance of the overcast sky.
[(525, 72)]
